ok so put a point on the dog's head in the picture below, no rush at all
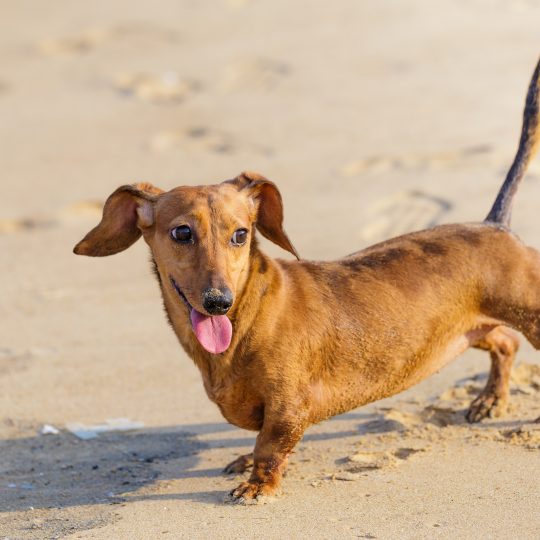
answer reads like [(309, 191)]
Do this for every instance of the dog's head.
[(200, 238)]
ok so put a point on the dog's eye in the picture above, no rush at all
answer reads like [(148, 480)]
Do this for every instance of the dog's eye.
[(182, 234), (239, 237)]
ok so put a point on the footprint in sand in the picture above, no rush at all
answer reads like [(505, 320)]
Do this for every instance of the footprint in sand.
[(482, 155), (82, 43), (460, 396), (201, 138), (433, 161), (401, 213), (253, 74), (25, 224), (414, 430), (427, 421), (82, 209), (391, 421), (91, 38), (195, 138), (168, 87), (460, 393), (526, 377), (403, 420), (13, 360), (415, 427), (527, 436), (143, 34), (442, 416), (74, 212), (361, 462)]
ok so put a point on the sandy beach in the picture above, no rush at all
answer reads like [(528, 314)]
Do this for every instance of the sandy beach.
[(374, 119)]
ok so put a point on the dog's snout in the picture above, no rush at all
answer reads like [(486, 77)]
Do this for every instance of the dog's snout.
[(217, 301)]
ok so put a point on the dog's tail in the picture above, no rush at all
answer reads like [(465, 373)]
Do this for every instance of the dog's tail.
[(528, 145)]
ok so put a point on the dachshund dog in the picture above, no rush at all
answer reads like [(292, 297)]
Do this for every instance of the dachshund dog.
[(282, 344)]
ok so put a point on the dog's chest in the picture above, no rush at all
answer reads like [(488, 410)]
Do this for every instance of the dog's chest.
[(237, 403)]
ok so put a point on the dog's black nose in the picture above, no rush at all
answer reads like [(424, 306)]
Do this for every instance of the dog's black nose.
[(217, 301)]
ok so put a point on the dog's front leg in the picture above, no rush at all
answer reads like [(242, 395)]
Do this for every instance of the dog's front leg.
[(275, 442)]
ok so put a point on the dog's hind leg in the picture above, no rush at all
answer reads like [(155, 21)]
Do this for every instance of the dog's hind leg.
[(502, 344)]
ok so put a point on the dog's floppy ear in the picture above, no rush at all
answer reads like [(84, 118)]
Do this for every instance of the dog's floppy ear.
[(126, 212), (269, 205)]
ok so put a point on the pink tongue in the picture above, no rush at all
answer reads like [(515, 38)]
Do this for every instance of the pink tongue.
[(213, 333)]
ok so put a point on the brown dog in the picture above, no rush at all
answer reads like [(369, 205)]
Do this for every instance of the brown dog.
[(284, 344)]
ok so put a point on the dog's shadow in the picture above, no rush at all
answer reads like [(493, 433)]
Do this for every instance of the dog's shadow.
[(62, 470)]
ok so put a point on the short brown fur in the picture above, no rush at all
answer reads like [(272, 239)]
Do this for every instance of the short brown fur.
[(315, 339)]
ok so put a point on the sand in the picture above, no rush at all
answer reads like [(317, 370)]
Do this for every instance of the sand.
[(374, 118)]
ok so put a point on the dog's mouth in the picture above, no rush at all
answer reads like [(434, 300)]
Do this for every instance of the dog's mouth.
[(181, 294), (213, 333)]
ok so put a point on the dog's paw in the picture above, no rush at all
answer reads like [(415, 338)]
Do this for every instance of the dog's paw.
[(239, 465), (486, 406), (251, 493)]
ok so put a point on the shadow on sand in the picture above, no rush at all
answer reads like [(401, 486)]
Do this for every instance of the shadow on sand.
[(62, 470)]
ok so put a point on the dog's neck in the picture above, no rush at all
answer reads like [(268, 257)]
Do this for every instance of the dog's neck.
[(264, 274)]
